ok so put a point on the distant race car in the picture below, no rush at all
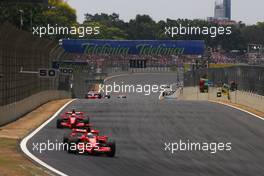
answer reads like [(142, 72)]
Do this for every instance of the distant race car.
[(93, 95), (168, 94), (107, 96), (121, 96), (167, 87), (73, 120), (91, 143)]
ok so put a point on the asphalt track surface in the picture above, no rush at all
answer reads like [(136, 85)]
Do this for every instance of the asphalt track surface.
[(141, 125)]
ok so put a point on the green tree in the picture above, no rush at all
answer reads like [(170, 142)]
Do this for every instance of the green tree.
[(111, 27), (254, 34), (142, 27), (57, 12)]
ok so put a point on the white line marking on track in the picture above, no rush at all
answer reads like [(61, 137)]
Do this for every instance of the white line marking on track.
[(24, 148), (111, 77), (131, 73), (243, 110)]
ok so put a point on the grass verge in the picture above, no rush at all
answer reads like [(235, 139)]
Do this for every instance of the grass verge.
[(12, 161)]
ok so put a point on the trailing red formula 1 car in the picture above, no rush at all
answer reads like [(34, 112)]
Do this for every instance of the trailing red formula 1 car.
[(90, 143), (73, 120)]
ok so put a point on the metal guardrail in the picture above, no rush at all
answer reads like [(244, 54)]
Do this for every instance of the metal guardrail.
[(248, 78)]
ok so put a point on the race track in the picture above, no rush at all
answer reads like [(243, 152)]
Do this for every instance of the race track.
[(141, 125)]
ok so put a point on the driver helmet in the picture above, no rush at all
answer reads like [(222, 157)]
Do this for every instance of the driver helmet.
[(73, 111), (90, 135)]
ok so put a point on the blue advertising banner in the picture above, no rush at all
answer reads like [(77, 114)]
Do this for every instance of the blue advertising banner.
[(134, 47)]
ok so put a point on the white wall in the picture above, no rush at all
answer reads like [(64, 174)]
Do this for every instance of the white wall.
[(239, 97), (15, 110)]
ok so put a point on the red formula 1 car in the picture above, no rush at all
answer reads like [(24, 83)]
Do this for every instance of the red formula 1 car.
[(91, 143), (93, 95), (73, 112), (78, 133), (73, 120)]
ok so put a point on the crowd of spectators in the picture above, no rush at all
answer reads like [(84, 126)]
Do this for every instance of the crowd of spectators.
[(235, 58), (116, 60), (164, 61)]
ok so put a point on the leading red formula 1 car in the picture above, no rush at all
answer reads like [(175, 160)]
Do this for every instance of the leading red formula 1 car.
[(73, 112), (73, 120), (91, 143)]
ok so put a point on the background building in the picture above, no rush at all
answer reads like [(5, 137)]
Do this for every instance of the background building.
[(219, 11), (227, 7), (222, 9)]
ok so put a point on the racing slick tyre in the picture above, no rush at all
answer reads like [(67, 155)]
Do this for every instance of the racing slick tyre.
[(87, 128), (86, 121), (107, 96), (66, 137), (112, 145), (72, 145), (59, 123)]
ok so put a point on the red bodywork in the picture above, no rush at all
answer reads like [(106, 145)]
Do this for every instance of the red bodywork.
[(73, 120), (83, 132), (71, 113), (93, 95), (89, 141), (96, 144)]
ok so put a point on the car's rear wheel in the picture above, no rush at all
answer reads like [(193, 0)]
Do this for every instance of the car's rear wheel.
[(73, 145), (86, 121), (112, 146), (59, 123), (66, 137)]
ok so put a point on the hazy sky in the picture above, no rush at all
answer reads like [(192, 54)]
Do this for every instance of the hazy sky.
[(248, 11)]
